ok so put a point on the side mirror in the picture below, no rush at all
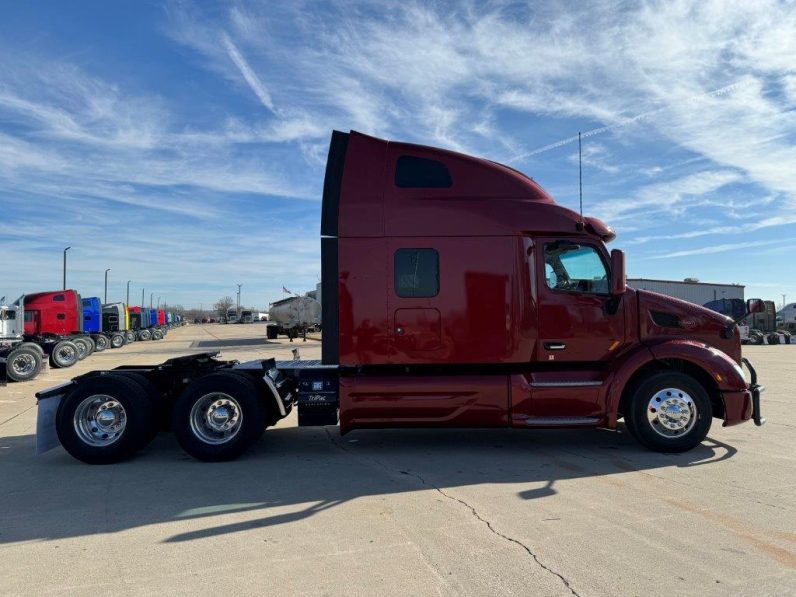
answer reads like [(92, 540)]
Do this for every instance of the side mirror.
[(618, 282), (755, 306)]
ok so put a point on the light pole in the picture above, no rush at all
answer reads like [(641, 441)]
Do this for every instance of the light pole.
[(106, 284), (157, 306), (142, 305), (238, 309), (128, 292), (65, 250)]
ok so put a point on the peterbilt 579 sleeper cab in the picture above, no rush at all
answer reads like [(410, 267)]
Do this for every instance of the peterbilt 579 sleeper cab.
[(457, 293)]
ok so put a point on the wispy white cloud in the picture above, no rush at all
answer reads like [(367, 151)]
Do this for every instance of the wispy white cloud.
[(669, 196), (248, 74), (712, 249), (686, 106)]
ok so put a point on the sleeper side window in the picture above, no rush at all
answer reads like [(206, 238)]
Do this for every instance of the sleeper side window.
[(421, 173), (59, 297), (571, 267), (416, 273)]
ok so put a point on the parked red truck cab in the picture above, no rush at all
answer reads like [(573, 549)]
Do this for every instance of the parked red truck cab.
[(58, 312), (467, 297), (457, 293)]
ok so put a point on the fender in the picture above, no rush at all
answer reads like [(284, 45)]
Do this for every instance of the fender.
[(727, 374)]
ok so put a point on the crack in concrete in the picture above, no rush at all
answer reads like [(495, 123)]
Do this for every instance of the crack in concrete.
[(493, 529), (474, 512)]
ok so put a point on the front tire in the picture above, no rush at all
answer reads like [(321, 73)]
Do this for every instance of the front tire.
[(669, 412), (105, 419), (130, 336), (157, 335), (144, 335), (219, 416), (117, 341), (65, 354), (23, 364)]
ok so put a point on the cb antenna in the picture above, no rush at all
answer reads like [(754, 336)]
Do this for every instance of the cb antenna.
[(580, 175), (580, 225)]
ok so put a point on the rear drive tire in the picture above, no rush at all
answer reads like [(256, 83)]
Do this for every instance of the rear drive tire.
[(218, 417), (33, 346), (23, 363), (669, 412), (64, 354), (102, 341), (144, 335), (105, 419), (92, 346), (117, 341), (130, 334), (82, 348), (154, 396), (157, 335)]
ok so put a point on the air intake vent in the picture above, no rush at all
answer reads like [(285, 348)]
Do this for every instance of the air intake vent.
[(665, 320)]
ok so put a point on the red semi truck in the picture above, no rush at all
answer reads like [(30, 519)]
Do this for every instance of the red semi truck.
[(457, 293), (44, 323)]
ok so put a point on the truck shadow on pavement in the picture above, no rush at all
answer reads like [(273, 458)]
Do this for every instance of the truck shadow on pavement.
[(294, 473)]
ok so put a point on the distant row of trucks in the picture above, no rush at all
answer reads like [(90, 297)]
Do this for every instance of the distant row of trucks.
[(765, 327), (64, 328), (291, 317), (246, 316)]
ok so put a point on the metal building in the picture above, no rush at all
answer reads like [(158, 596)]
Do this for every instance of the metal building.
[(690, 289)]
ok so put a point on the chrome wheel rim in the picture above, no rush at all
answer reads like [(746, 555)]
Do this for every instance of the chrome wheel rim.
[(216, 418), (23, 364), (67, 354), (671, 412), (81, 349), (100, 420)]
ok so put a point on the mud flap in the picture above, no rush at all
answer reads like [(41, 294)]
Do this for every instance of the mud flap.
[(46, 434)]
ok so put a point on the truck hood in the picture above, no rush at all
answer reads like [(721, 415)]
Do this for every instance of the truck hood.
[(662, 316)]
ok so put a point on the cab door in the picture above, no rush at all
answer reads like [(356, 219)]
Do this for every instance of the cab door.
[(579, 322)]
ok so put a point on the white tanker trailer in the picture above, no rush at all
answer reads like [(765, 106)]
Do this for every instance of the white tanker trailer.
[(293, 316)]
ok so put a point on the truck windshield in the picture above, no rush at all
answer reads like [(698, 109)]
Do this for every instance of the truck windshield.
[(575, 268), (7, 315)]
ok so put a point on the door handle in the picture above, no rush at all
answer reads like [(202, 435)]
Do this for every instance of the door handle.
[(399, 331), (554, 346)]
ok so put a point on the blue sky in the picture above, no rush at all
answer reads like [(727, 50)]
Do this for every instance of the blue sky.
[(182, 144)]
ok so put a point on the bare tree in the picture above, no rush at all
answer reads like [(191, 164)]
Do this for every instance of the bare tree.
[(223, 305)]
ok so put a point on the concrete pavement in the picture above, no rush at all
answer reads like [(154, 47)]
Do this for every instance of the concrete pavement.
[(421, 512)]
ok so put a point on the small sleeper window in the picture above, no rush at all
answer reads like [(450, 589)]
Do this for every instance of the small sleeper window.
[(58, 297), (60, 316), (420, 173), (416, 273)]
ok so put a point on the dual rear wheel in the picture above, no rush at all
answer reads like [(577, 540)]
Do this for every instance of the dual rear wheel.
[(218, 417), (65, 354), (109, 418), (24, 363)]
